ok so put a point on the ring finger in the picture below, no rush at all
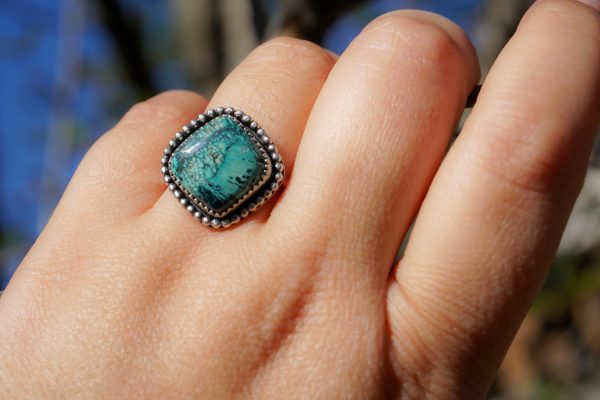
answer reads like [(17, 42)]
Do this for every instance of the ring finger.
[(277, 84)]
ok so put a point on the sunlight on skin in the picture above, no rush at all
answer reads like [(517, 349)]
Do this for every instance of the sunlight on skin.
[(125, 295)]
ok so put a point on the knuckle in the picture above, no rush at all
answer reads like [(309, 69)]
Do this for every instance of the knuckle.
[(166, 108), (292, 53), (99, 156), (108, 147), (157, 108), (563, 10), (579, 19), (524, 152), (426, 39), (163, 108)]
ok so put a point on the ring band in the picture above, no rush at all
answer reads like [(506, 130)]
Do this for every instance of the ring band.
[(222, 166)]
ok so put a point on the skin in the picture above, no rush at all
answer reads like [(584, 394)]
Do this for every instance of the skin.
[(124, 295)]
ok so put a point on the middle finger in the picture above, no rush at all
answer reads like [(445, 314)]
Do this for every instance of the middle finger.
[(376, 136)]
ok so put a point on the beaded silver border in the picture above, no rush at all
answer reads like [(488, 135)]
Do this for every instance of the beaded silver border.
[(271, 181)]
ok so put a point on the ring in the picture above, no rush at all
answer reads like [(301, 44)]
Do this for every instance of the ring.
[(222, 166)]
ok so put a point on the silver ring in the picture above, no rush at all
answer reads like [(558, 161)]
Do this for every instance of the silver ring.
[(222, 166)]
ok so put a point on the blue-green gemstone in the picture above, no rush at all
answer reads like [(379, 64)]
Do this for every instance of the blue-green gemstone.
[(218, 163)]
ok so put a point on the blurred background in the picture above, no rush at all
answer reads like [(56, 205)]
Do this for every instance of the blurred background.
[(70, 68)]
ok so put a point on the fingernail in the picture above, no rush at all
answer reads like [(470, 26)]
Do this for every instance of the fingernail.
[(592, 3)]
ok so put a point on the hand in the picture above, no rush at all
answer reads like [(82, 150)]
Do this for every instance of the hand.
[(124, 295)]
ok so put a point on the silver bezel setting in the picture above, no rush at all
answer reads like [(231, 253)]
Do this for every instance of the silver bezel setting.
[(254, 198)]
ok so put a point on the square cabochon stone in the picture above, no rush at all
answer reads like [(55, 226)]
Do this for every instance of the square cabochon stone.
[(218, 164)]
